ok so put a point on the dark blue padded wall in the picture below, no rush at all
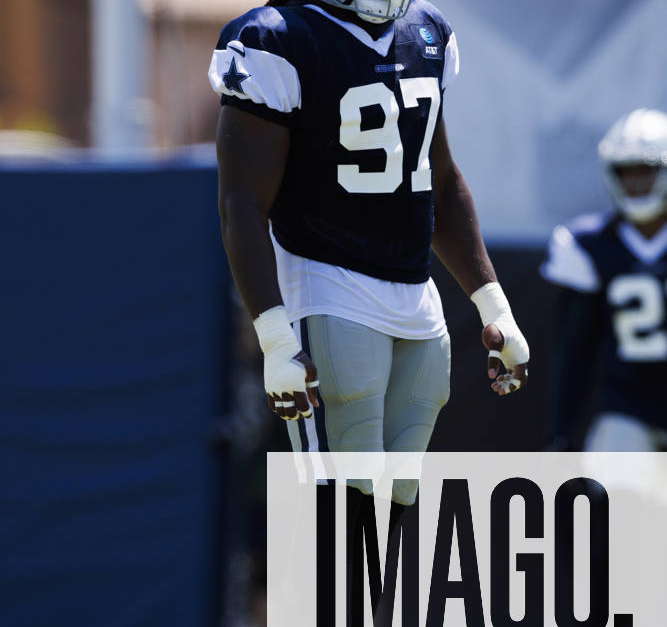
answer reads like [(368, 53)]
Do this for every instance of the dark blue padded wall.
[(113, 366)]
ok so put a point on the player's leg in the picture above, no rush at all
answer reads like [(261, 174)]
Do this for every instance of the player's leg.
[(615, 432), (353, 365), (612, 432), (418, 389)]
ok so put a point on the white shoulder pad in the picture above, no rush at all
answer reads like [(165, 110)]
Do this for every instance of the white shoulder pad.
[(256, 75), (569, 264), (452, 61)]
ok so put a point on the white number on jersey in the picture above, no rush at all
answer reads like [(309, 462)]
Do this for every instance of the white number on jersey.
[(638, 331), (387, 138)]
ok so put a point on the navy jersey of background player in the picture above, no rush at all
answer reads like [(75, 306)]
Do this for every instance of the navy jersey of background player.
[(605, 256), (362, 113)]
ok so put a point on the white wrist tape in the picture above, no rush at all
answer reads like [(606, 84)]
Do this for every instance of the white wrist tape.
[(494, 308), (274, 331), (491, 303), (282, 373)]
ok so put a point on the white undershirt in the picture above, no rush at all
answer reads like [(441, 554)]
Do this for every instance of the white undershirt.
[(403, 310)]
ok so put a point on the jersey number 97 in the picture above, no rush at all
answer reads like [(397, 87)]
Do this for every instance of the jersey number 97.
[(388, 137)]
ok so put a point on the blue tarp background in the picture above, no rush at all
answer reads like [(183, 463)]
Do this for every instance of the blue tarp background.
[(113, 322)]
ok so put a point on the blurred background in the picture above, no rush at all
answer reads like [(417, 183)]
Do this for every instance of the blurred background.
[(133, 423)]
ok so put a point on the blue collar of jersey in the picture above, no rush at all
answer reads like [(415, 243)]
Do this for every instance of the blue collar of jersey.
[(381, 45)]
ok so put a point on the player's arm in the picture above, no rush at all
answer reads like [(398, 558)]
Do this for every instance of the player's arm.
[(260, 92), (251, 157), (576, 335), (252, 153), (457, 240), (575, 342), (458, 243)]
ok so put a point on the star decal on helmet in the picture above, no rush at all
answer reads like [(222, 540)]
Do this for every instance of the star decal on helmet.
[(234, 78)]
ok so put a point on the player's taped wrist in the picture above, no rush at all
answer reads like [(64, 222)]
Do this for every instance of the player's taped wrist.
[(494, 308), (275, 333), (282, 373), (491, 303)]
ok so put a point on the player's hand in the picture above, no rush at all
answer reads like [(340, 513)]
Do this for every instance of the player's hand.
[(290, 377), (291, 383), (501, 336), (507, 349)]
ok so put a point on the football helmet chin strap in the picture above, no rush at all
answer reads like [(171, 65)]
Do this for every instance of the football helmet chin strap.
[(639, 138), (374, 11)]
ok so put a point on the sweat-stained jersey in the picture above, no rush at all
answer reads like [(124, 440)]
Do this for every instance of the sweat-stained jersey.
[(356, 192), (605, 256)]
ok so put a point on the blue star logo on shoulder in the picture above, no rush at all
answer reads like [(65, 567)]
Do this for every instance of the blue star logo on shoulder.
[(234, 78)]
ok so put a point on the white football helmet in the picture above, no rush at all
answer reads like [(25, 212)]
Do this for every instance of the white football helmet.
[(375, 11), (639, 138)]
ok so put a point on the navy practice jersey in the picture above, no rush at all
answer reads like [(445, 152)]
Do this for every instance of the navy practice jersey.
[(362, 114), (606, 256)]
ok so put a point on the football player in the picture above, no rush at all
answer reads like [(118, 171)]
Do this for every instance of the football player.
[(613, 304), (336, 180)]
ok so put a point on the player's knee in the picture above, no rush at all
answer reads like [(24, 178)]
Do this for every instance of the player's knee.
[(365, 486), (363, 436), (404, 491), (414, 438), (432, 396), (356, 426)]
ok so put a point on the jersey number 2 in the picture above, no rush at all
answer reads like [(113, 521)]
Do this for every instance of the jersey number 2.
[(387, 138), (640, 337)]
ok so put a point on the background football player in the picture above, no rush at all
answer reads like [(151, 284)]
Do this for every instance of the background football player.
[(613, 305), (331, 128)]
